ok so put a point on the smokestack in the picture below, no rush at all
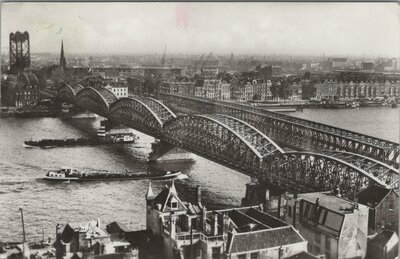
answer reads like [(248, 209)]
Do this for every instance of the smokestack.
[(198, 195)]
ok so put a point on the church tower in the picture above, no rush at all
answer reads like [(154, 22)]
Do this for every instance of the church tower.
[(63, 62)]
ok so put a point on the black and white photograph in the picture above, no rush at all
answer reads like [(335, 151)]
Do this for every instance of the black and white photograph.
[(199, 130)]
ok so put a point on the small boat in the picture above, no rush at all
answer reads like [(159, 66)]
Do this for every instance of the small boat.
[(67, 174), (353, 105)]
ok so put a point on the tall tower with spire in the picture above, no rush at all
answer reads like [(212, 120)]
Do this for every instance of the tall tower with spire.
[(63, 62), (163, 60)]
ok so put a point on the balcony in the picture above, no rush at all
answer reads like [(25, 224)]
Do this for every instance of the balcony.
[(185, 237)]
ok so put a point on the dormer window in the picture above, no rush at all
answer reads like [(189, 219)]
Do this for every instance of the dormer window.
[(174, 205)]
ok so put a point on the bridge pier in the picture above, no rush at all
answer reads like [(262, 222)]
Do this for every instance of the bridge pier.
[(269, 197), (69, 111), (164, 152), (105, 126)]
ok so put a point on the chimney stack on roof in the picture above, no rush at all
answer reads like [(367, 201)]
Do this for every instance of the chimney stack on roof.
[(215, 224), (149, 193), (198, 195)]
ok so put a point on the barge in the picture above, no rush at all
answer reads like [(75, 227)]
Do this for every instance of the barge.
[(117, 138), (70, 174)]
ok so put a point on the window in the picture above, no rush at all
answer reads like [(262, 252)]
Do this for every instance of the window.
[(216, 252), (306, 211), (324, 217), (255, 255), (391, 205), (327, 255), (242, 256), (318, 237), (290, 211), (198, 254), (174, 205), (317, 250), (327, 243)]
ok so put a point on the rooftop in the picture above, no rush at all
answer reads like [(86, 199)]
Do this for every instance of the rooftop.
[(328, 201), (383, 238), (373, 195), (117, 226), (339, 59), (262, 239), (245, 223), (265, 218), (90, 228), (165, 198), (303, 255)]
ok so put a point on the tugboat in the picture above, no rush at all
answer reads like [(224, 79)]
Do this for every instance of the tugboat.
[(64, 174), (70, 174)]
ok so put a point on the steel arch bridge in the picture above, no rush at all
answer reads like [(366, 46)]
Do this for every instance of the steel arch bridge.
[(68, 92), (239, 145), (291, 131), (223, 139), (143, 114), (96, 100)]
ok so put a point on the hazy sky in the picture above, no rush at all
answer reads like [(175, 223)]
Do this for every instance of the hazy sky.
[(222, 28)]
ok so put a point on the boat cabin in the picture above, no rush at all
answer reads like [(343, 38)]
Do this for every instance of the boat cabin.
[(63, 172)]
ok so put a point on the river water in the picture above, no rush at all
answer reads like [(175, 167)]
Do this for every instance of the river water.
[(46, 204)]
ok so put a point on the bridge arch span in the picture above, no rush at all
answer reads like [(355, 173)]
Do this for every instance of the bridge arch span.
[(222, 139), (68, 92), (163, 112), (385, 173), (135, 113), (308, 171), (96, 100)]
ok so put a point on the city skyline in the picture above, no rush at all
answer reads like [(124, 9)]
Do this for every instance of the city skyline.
[(303, 29)]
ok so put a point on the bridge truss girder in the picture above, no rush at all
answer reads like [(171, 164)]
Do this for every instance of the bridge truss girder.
[(162, 111), (386, 174), (91, 100), (67, 93), (294, 132), (215, 139), (241, 146), (136, 114), (311, 172)]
